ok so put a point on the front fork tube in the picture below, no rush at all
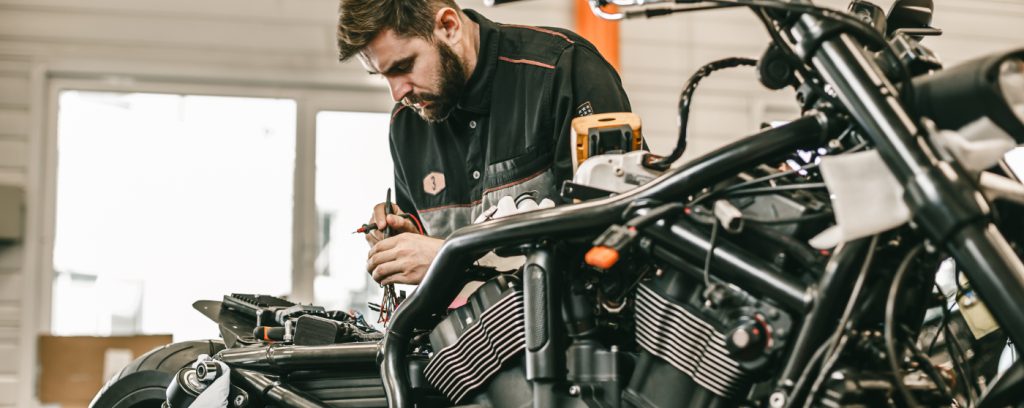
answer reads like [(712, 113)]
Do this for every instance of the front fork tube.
[(545, 358), (947, 207)]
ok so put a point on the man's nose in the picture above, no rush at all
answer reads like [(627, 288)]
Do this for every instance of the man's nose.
[(400, 87)]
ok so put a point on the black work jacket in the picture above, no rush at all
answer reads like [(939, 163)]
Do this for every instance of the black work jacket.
[(510, 131)]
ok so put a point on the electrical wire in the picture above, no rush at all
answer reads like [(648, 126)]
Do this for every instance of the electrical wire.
[(685, 98), (826, 367), (811, 364), (890, 313), (928, 367), (956, 354), (664, 11), (774, 189), (865, 31), (838, 339)]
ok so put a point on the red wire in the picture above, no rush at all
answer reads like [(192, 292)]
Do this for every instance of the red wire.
[(417, 222)]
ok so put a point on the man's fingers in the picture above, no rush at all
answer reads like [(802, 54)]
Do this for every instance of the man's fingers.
[(379, 217), (401, 224), (385, 244), (372, 238), (385, 270), (397, 278), (380, 257)]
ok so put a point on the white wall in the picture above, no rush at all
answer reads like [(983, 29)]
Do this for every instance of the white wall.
[(286, 47)]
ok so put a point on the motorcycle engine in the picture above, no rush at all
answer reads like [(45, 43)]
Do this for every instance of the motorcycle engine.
[(477, 345), (703, 345)]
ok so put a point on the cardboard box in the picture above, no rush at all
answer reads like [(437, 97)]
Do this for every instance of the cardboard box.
[(73, 367)]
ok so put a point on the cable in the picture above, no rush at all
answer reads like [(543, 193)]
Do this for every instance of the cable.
[(838, 339), (826, 368), (962, 368), (810, 367), (890, 312), (774, 189), (664, 11), (860, 28), (862, 31), (685, 99), (929, 368), (748, 183)]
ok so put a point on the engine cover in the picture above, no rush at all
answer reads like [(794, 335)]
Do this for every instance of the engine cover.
[(720, 346), (689, 344), (475, 340)]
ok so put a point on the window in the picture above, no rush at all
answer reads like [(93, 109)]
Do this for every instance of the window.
[(166, 199), (353, 173)]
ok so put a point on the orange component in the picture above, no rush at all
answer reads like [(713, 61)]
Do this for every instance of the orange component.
[(602, 257)]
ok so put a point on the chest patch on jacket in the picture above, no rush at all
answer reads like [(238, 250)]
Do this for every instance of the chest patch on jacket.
[(433, 183), (585, 109)]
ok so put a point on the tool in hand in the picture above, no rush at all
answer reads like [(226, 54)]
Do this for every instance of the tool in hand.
[(368, 228), (390, 300)]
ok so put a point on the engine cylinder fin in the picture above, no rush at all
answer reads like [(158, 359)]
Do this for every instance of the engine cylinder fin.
[(693, 346), (455, 356), (497, 335)]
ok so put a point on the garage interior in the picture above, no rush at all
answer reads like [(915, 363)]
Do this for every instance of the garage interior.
[(157, 153)]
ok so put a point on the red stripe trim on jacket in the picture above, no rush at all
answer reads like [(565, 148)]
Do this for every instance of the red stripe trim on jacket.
[(393, 115), (526, 61)]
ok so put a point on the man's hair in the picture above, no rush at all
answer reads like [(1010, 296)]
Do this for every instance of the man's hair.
[(359, 21)]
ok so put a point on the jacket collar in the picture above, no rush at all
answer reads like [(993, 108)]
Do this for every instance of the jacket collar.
[(476, 95)]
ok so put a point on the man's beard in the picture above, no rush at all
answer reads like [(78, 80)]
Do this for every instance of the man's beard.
[(450, 85)]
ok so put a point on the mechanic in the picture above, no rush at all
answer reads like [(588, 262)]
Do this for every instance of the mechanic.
[(484, 111)]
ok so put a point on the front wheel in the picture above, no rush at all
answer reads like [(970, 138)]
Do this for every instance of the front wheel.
[(143, 382)]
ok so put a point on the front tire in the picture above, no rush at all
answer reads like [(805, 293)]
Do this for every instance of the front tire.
[(143, 382)]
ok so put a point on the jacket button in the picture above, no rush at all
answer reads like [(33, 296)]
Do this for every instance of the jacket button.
[(476, 175), (472, 124)]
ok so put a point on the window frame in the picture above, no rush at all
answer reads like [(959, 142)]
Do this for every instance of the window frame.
[(309, 102)]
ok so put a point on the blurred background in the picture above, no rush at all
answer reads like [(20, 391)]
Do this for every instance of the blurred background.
[(155, 153)]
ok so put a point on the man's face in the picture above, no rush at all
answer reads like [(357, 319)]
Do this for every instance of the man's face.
[(425, 75)]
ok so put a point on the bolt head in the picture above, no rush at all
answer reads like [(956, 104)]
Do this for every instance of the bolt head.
[(239, 400), (574, 390)]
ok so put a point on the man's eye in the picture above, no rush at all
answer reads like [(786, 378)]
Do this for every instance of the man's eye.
[(402, 68)]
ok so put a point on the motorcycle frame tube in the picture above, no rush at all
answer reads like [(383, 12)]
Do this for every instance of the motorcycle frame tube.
[(731, 264), (948, 208), (836, 285), (287, 358), (271, 389), (467, 244), (545, 358)]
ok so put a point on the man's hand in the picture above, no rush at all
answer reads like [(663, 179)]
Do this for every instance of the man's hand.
[(402, 259), (397, 223)]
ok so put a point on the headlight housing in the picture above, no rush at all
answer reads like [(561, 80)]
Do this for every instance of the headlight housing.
[(990, 86)]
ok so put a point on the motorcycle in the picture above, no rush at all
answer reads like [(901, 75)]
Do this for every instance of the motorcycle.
[(867, 253)]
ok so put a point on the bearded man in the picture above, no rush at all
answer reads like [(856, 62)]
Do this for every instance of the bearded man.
[(483, 111)]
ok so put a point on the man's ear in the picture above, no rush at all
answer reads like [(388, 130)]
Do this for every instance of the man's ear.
[(448, 26)]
